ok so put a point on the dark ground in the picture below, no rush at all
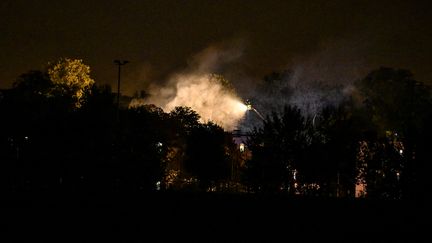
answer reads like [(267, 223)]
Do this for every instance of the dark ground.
[(186, 217)]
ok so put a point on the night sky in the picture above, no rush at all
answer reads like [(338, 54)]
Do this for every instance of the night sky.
[(161, 37)]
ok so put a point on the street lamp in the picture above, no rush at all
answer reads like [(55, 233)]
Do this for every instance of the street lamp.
[(119, 63)]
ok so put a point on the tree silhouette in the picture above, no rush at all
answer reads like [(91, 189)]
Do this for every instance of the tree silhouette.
[(206, 155), (401, 105), (184, 118), (277, 149), (35, 82)]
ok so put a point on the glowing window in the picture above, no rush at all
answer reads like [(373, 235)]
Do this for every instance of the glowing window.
[(242, 147)]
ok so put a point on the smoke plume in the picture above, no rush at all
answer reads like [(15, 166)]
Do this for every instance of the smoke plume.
[(211, 96), (325, 78), (312, 82)]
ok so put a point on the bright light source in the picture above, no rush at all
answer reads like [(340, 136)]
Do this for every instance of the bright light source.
[(242, 107), (242, 147)]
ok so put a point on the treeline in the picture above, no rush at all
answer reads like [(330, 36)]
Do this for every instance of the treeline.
[(374, 143), (58, 134), (62, 133)]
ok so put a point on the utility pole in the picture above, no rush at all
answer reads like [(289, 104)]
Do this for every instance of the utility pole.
[(119, 63)]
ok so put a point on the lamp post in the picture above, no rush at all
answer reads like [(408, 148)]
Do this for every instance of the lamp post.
[(119, 63)]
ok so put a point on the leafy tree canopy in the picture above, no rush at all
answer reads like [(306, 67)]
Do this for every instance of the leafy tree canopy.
[(395, 99), (70, 77)]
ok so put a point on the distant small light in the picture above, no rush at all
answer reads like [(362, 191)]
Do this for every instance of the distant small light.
[(158, 185), (159, 144), (26, 138), (401, 152), (242, 147)]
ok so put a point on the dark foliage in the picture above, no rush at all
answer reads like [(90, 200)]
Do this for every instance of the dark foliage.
[(380, 136)]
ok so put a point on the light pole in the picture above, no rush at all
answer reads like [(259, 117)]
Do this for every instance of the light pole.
[(119, 63)]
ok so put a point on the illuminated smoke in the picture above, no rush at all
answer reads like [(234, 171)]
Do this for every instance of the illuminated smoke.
[(315, 81), (205, 95), (211, 96), (326, 77), (310, 82)]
